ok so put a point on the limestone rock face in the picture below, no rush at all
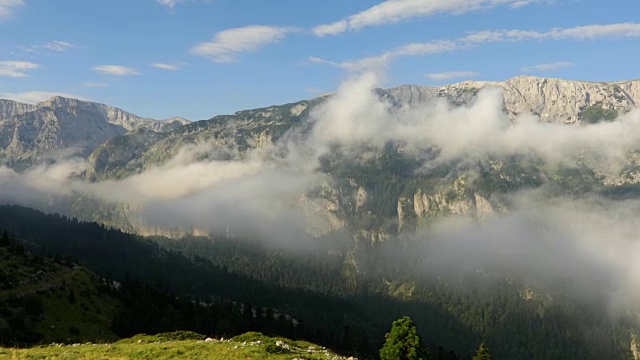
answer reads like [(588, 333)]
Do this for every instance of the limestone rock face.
[(9, 108), (412, 94), (65, 125), (553, 100)]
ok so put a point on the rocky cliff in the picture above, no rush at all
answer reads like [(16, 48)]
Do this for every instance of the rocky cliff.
[(62, 125), (553, 100)]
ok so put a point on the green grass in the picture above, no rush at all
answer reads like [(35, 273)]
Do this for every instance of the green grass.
[(248, 346)]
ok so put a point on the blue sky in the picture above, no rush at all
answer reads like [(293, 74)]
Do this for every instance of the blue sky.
[(200, 58)]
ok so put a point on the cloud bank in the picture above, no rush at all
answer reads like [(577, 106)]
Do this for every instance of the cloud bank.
[(588, 244)]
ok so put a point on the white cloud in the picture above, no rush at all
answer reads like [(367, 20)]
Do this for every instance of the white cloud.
[(95, 85), (587, 32), (448, 75), (548, 67), (7, 7), (522, 3), (393, 11), (331, 29), (170, 3), (33, 97), (597, 31), (55, 46), (164, 66), (16, 69), (116, 70), (228, 43), (378, 62), (558, 239), (317, 60)]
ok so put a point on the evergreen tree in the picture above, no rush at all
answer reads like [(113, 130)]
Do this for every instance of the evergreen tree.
[(482, 353), (4, 240), (403, 342)]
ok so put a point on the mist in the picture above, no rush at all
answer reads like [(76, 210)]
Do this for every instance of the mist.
[(588, 247), (590, 243)]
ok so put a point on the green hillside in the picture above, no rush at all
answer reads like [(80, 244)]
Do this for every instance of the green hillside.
[(44, 300), (332, 303), (174, 346)]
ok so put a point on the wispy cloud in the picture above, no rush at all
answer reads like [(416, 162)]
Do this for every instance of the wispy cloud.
[(170, 3), (448, 75), (587, 32), (7, 7), (94, 85), (33, 97), (227, 44), (116, 70), (393, 11), (16, 69), (165, 66), (547, 67), (380, 61), (578, 33), (51, 46)]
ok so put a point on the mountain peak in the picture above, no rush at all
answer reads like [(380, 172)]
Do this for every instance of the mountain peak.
[(60, 101)]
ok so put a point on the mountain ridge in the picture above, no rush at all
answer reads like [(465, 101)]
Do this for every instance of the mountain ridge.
[(28, 132), (552, 99)]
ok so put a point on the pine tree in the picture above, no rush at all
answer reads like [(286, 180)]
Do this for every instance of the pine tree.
[(4, 240), (403, 342), (482, 353)]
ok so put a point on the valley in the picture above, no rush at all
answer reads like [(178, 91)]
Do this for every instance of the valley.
[(478, 209)]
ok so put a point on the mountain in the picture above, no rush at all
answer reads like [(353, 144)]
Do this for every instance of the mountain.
[(553, 100), (393, 200), (372, 205), (60, 125), (454, 205)]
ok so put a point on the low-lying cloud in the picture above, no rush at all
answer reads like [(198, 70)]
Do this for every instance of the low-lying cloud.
[(589, 242)]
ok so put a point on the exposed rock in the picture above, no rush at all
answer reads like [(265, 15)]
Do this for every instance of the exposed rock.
[(296, 110), (361, 197), (60, 124), (635, 348), (553, 100), (483, 207), (413, 94)]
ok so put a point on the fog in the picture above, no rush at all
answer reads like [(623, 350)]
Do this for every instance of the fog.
[(589, 242), (588, 247)]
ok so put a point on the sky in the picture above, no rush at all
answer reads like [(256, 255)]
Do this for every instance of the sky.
[(201, 58)]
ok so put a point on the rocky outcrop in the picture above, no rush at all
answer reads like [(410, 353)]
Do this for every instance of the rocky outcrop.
[(412, 94), (60, 124), (553, 100), (9, 108)]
